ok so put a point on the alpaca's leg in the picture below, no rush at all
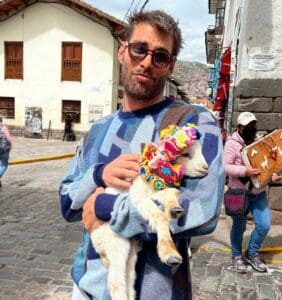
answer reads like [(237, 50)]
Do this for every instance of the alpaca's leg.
[(166, 248), (117, 277), (158, 220), (130, 270), (114, 251), (170, 199), (172, 210)]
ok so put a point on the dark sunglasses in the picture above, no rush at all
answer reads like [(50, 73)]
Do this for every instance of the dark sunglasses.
[(138, 51)]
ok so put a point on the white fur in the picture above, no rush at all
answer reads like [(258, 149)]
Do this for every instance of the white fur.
[(118, 254)]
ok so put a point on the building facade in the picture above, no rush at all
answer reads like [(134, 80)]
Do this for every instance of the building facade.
[(59, 58), (56, 58), (245, 49)]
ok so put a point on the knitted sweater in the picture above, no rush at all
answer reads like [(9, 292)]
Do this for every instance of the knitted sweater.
[(127, 132)]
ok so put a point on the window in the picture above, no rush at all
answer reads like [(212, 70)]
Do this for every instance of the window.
[(7, 107), (72, 108), (71, 61), (13, 60)]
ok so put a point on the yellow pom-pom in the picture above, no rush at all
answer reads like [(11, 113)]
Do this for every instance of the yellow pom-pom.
[(167, 131)]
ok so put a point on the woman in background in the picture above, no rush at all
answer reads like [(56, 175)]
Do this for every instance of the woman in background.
[(239, 178), (5, 148)]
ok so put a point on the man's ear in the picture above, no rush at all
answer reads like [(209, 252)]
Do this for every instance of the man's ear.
[(121, 52)]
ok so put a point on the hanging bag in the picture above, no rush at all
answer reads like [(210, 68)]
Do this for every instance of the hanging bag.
[(236, 201), (4, 143)]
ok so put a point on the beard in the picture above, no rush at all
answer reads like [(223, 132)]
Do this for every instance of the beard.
[(139, 91)]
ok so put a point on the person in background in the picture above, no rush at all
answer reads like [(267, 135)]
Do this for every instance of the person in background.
[(109, 156), (5, 148), (239, 177), (68, 132)]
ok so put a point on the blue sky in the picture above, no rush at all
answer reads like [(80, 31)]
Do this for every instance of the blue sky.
[(192, 16)]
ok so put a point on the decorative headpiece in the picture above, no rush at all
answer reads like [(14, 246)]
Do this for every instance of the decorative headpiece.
[(157, 165)]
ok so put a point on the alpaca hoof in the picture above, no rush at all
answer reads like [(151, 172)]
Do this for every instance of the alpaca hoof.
[(174, 261), (176, 212)]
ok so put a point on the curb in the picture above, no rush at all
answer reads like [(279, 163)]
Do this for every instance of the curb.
[(274, 250), (39, 159)]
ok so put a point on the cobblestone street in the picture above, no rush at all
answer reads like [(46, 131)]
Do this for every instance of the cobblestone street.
[(37, 245)]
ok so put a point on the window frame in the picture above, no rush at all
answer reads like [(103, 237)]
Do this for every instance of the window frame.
[(69, 76), (15, 74), (69, 102), (8, 107)]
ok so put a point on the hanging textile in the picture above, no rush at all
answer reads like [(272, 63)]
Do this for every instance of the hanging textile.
[(216, 78), (222, 91)]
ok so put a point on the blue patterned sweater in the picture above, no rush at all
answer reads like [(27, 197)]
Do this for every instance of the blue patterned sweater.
[(128, 132)]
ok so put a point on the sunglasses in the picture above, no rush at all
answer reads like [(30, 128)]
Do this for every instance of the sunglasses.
[(138, 51)]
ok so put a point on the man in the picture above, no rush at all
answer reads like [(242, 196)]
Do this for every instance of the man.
[(109, 157)]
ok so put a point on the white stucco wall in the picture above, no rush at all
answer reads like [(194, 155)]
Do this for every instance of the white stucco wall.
[(260, 34), (43, 27), (230, 18)]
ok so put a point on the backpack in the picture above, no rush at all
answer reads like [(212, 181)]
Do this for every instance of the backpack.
[(4, 143)]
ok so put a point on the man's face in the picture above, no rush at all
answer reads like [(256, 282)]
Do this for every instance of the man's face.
[(144, 79)]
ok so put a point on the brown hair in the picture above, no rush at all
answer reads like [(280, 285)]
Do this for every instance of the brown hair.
[(160, 20)]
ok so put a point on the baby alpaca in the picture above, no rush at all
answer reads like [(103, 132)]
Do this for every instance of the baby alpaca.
[(157, 174)]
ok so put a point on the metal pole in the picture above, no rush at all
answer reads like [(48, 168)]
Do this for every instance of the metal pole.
[(49, 129)]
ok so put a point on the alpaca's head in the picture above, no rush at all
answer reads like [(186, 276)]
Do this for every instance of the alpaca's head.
[(158, 166)]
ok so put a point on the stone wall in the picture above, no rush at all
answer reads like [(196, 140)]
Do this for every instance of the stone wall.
[(275, 203), (268, 111)]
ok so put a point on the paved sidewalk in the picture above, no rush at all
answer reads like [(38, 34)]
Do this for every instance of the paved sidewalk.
[(29, 148), (37, 246)]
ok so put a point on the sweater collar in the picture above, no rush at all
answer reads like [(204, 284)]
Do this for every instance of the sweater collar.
[(139, 113)]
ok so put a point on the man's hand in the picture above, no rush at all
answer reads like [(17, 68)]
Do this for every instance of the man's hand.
[(122, 171), (276, 178), (89, 219), (252, 171)]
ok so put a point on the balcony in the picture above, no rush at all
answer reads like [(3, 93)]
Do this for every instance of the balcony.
[(212, 7), (219, 30), (212, 44)]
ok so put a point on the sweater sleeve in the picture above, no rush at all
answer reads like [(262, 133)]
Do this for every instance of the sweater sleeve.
[(200, 197), (78, 185), (230, 167)]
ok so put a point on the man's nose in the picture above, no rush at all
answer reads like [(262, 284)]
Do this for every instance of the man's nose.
[(147, 60)]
